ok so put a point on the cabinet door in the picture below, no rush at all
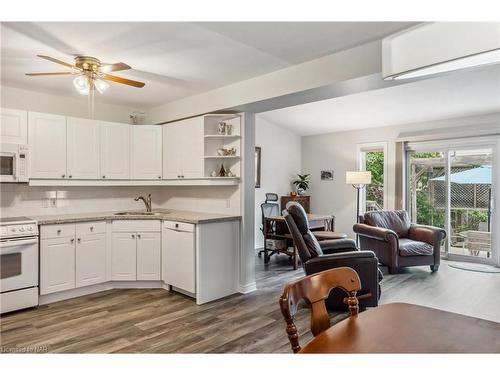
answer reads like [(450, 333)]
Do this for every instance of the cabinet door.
[(82, 148), (172, 149), (180, 262), (148, 256), (90, 259), (47, 144), (14, 126), (123, 256), (192, 148), (146, 152), (115, 151), (57, 264)]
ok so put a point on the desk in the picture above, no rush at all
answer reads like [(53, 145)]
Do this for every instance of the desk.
[(406, 328), (275, 228)]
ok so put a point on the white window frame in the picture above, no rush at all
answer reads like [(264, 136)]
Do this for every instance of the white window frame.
[(361, 149)]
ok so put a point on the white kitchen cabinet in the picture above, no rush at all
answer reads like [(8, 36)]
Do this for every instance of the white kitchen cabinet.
[(123, 256), (115, 151), (47, 144), (183, 154), (179, 251), (146, 151), (57, 264), (90, 259), (82, 148), (14, 126), (148, 256)]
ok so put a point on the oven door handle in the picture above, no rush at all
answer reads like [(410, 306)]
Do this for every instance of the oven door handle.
[(11, 243)]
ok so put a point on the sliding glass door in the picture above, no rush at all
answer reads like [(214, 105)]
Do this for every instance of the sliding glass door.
[(452, 185)]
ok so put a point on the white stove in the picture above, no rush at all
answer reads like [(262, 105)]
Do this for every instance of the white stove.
[(18, 263)]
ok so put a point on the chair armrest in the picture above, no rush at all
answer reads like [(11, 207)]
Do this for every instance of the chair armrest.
[(336, 246), (427, 233), (377, 233)]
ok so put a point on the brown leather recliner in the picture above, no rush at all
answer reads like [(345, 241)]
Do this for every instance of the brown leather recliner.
[(323, 255), (399, 243)]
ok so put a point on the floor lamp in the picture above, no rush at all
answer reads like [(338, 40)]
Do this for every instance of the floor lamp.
[(358, 179)]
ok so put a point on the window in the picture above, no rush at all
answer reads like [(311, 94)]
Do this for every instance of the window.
[(373, 157)]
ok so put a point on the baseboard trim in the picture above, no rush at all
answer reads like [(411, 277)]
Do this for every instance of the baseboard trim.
[(91, 289), (249, 288)]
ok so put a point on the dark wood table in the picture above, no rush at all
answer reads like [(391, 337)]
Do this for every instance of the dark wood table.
[(406, 328), (275, 228)]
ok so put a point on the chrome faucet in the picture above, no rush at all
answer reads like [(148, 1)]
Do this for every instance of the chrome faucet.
[(147, 201)]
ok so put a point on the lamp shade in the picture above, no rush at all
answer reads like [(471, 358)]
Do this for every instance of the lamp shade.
[(358, 178)]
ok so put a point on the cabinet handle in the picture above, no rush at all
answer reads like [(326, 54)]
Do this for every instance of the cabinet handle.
[(58, 231), (103, 176), (159, 177), (63, 175), (79, 240), (91, 229), (72, 240), (70, 176), (133, 236), (139, 236)]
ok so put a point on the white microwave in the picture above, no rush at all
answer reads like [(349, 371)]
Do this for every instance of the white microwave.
[(13, 162)]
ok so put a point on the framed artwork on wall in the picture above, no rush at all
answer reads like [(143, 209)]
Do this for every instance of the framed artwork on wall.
[(327, 175), (257, 166)]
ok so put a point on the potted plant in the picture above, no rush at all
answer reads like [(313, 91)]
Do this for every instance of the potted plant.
[(302, 183)]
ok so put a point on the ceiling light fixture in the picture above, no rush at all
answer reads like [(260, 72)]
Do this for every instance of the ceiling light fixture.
[(440, 47), (81, 84)]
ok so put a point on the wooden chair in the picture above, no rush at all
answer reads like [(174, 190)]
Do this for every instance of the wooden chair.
[(315, 290)]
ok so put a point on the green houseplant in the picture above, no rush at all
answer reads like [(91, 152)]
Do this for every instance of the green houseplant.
[(302, 183)]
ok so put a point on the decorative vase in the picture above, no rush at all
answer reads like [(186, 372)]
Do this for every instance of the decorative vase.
[(300, 191), (222, 171)]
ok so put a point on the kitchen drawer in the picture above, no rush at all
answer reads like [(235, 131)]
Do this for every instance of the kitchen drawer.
[(57, 231), (91, 227), (175, 225), (136, 226)]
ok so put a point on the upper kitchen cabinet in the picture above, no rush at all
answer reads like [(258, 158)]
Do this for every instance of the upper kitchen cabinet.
[(82, 148), (115, 151), (13, 126), (183, 149), (47, 144), (146, 150)]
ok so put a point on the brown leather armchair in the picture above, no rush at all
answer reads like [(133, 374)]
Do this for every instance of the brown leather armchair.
[(399, 243), (323, 255)]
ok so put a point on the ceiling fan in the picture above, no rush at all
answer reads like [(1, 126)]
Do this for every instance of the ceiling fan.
[(91, 74)]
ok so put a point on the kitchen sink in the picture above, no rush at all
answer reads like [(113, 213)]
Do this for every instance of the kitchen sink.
[(135, 213)]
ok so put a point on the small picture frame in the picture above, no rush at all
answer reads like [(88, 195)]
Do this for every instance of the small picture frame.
[(327, 175), (257, 166)]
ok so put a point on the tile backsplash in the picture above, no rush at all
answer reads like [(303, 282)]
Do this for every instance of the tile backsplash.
[(24, 200)]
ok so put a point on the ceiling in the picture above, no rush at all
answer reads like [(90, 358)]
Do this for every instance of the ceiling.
[(174, 59), (458, 94)]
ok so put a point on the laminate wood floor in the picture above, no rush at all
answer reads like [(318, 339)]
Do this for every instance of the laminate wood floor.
[(156, 321)]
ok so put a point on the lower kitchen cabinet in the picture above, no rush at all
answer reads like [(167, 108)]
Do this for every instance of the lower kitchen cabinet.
[(148, 256), (72, 256), (90, 259), (57, 264), (136, 250), (123, 256)]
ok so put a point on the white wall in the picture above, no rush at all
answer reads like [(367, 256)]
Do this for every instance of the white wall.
[(36, 101), (337, 151), (280, 161)]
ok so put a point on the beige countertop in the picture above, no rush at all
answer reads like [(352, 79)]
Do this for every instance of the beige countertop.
[(160, 214)]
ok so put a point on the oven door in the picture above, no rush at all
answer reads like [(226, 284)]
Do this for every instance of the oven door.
[(8, 166), (18, 264)]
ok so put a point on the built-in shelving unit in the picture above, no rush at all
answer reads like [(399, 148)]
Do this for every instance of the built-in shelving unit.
[(215, 139)]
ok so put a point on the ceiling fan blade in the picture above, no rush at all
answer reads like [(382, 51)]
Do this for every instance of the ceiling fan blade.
[(58, 61), (114, 67), (125, 81), (51, 74)]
